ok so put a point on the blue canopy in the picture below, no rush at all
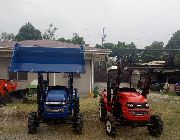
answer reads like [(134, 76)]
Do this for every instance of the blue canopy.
[(43, 59)]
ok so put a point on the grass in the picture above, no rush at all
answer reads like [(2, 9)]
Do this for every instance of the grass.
[(13, 122)]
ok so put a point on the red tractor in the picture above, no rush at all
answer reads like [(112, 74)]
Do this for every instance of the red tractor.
[(6, 86), (127, 107)]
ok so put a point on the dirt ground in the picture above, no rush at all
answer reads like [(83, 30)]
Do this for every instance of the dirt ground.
[(13, 122)]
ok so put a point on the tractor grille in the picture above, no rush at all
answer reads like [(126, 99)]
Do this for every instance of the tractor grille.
[(137, 105), (54, 110), (55, 104), (138, 113)]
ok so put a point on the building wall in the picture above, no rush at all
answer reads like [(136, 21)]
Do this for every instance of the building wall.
[(4, 63), (82, 83)]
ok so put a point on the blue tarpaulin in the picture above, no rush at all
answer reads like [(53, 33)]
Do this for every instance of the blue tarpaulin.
[(43, 59)]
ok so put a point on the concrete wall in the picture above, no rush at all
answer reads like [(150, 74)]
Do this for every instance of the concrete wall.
[(4, 64)]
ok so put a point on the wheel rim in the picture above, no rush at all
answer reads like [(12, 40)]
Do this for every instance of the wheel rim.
[(108, 126)]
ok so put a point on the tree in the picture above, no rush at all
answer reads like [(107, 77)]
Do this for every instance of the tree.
[(148, 56), (62, 39), (76, 39), (99, 46), (4, 36), (174, 43), (28, 32), (177, 59), (118, 50), (50, 32)]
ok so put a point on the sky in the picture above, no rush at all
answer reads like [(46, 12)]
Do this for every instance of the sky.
[(138, 21)]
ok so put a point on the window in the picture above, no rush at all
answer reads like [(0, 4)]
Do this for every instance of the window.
[(12, 76), (18, 76), (22, 75)]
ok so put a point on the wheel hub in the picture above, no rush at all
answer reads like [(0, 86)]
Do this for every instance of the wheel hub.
[(108, 126)]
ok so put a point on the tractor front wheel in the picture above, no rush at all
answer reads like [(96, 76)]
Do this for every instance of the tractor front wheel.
[(110, 126), (32, 123), (102, 111), (78, 123), (156, 127)]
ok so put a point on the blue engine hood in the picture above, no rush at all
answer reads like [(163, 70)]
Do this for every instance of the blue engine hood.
[(56, 95)]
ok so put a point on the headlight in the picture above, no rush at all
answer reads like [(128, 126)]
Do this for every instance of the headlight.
[(60, 110), (147, 105), (56, 103), (130, 105)]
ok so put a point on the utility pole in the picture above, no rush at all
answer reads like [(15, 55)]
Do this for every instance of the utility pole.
[(103, 37)]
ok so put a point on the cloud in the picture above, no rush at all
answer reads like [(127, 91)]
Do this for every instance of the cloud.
[(125, 20)]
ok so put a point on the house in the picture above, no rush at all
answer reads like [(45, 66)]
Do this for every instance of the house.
[(161, 73), (83, 82)]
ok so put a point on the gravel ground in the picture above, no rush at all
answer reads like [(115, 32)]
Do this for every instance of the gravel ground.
[(13, 122)]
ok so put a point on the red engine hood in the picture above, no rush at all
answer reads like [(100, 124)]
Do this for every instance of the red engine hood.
[(131, 97)]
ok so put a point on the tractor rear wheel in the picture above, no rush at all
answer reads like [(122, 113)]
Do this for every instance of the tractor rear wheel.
[(78, 123), (110, 126), (32, 123), (102, 111), (156, 127)]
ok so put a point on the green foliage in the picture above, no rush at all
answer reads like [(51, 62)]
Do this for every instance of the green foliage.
[(62, 39), (4, 36), (174, 43), (177, 59), (148, 56), (50, 33), (28, 32), (117, 50), (76, 39), (99, 46), (96, 92), (68, 41)]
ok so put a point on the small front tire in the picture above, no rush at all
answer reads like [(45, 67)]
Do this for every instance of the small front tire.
[(110, 126), (156, 127), (32, 123)]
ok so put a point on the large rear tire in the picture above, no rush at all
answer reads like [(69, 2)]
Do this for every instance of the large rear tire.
[(102, 111), (110, 126), (32, 123), (156, 127)]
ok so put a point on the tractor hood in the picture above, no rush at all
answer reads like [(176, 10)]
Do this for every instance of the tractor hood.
[(56, 95), (132, 97)]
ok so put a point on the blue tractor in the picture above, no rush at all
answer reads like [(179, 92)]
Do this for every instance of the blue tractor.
[(56, 104)]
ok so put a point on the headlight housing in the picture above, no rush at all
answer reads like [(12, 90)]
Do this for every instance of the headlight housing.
[(56, 103), (130, 105), (146, 105)]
